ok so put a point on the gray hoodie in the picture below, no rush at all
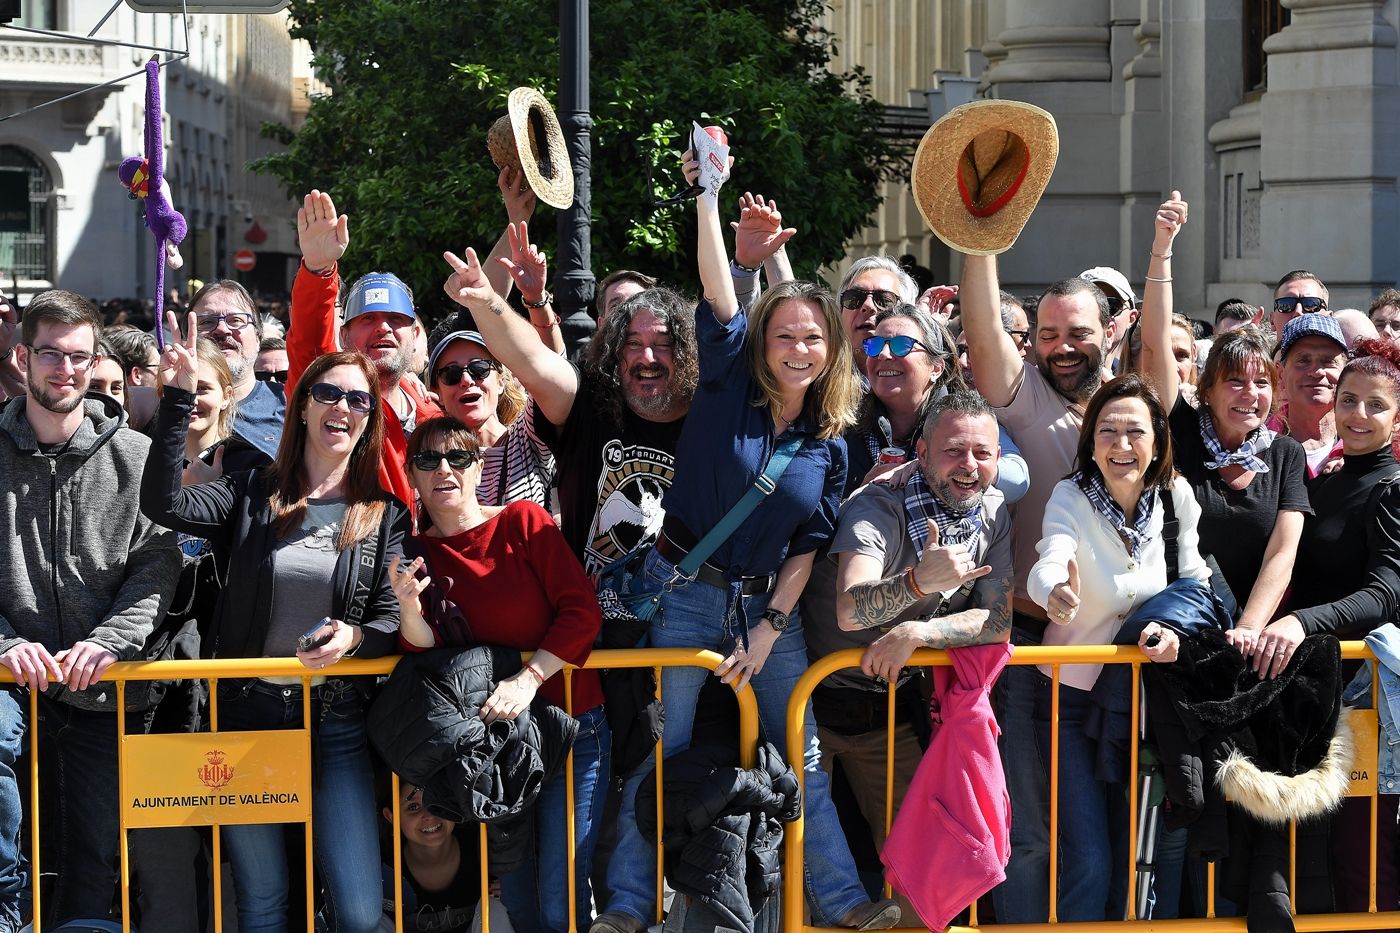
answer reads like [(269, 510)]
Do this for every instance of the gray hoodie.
[(78, 560)]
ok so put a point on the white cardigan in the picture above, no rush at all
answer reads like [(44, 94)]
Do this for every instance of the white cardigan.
[(1111, 582)]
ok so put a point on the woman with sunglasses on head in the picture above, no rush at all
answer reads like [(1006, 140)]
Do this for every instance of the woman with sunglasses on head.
[(478, 391), (302, 547), (776, 377), (910, 362), (512, 574)]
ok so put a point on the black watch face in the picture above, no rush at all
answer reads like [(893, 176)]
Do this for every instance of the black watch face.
[(776, 618)]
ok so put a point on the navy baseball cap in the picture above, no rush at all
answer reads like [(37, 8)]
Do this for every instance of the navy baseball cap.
[(1311, 325), (379, 292)]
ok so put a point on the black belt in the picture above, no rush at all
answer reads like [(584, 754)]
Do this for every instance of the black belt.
[(708, 573)]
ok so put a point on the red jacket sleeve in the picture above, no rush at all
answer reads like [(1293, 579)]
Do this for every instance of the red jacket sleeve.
[(577, 617), (311, 331)]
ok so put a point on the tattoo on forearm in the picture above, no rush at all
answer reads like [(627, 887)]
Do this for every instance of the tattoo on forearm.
[(498, 307), (987, 622), (882, 601)]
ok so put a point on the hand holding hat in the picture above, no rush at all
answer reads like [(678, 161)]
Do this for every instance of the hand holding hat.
[(530, 139)]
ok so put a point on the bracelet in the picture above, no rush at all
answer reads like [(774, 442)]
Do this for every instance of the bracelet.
[(554, 321), (1166, 255), (743, 268), (1158, 278), (538, 676), (913, 584), (545, 298)]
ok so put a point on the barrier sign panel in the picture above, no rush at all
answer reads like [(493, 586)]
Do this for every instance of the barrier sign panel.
[(202, 779), (1365, 731)]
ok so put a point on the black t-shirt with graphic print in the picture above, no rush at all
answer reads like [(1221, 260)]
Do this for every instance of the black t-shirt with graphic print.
[(612, 477)]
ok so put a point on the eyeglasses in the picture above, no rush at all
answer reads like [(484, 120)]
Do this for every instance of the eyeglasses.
[(51, 356), (208, 323), (1392, 325), (901, 345), (458, 459), (1021, 335), (478, 369), (853, 298), (358, 399), (1309, 305), (271, 375)]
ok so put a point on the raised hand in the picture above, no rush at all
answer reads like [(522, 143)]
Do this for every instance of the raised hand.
[(467, 284), (179, 364), (759, 232), (321, 234), (941, 569), (407, 585), (518, 195), (526, 265), (1171, 217), (1063, 603), (935, 300)]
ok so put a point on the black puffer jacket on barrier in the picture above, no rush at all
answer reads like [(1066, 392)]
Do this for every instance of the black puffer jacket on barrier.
[(723, 831), (426, 725)]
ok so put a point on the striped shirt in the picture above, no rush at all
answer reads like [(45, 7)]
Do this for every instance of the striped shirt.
[(519, 468)]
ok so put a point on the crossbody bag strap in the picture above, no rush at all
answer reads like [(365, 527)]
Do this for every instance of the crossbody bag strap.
[(364, 577), (1169, 530), (760, 490)]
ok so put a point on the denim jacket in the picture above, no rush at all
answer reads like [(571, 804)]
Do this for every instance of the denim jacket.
[(1385, 642)]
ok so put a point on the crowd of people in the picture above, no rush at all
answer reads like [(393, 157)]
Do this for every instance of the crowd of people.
[(781, 472)]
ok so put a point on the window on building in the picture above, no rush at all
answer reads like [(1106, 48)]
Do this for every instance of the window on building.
[(1262, 18), (26, 216), (39, 14)]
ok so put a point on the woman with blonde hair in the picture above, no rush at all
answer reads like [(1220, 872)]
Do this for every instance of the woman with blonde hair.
[(777, 384)]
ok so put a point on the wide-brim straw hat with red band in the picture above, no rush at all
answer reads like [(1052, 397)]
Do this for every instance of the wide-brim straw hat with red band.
[(529, 137), (980, 171)]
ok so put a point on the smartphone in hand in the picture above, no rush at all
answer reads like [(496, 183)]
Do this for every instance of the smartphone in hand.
[(309, 640)]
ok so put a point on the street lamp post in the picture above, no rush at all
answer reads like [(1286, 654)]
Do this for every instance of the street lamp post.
[(574, 283)]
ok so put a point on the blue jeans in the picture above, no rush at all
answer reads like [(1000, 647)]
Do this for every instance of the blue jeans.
[(344, 829), (536, 895), (693, 617), (1024, 897), (1093, 816)]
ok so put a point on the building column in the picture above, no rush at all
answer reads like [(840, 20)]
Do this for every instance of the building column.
[(1330, 125)]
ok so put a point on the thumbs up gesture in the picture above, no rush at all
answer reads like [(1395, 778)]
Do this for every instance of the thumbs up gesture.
[(1063, 603), (945, 568)]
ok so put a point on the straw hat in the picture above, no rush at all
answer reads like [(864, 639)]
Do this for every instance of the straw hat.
[(979, 172), (530, 137)]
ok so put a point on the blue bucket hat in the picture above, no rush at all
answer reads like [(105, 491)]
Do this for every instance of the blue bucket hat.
[(379, 292), (1310, 325)]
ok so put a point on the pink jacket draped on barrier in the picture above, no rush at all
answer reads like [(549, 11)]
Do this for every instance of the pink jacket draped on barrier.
[(952, 837)]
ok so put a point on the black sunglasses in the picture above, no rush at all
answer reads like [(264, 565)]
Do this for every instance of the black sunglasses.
[(478, 369), (901, 345), (1117, 306), (358, 399), (854, 297), (1309, 305), (458, 459), (270, 375)]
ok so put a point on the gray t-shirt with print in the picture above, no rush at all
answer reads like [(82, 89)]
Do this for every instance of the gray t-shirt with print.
[(303, 569)]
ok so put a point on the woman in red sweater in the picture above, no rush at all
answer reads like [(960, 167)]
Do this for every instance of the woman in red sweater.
[(519, 586)]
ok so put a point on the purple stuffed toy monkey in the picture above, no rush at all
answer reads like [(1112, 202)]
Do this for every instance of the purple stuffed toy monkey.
[(145, 178)]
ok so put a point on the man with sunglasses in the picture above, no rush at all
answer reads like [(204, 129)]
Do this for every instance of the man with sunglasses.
[(272, 364), (1040, 401), (225, 314), (83, 578), (1122, 310), (872, 284), (1299, 292)]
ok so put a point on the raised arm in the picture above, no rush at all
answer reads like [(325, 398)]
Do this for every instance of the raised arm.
[(713, 258), (323, 236), (1158, 363), (526, 265), (760, 240), (996, 363), (520, 207), (546, 375)]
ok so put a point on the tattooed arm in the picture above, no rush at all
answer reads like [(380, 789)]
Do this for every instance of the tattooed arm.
[(988, 622), (866, 600)]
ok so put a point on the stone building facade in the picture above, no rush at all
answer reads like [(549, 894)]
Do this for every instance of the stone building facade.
[(1276, 119), (79, 229)]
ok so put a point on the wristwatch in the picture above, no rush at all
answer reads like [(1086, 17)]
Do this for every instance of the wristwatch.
[(776, 618)]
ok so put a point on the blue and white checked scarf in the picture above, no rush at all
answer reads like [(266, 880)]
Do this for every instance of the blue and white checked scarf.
[(1135, 533), (1245, 455), (921, 506)]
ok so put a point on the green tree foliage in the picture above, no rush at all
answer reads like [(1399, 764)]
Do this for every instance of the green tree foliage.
[(400, 141)]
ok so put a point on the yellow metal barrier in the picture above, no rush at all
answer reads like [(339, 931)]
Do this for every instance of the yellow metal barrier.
[(794, 897), (213, 671)]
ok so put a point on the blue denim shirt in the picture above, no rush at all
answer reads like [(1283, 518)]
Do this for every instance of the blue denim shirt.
[(723, 448), (258, 418), (1385, 642)]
